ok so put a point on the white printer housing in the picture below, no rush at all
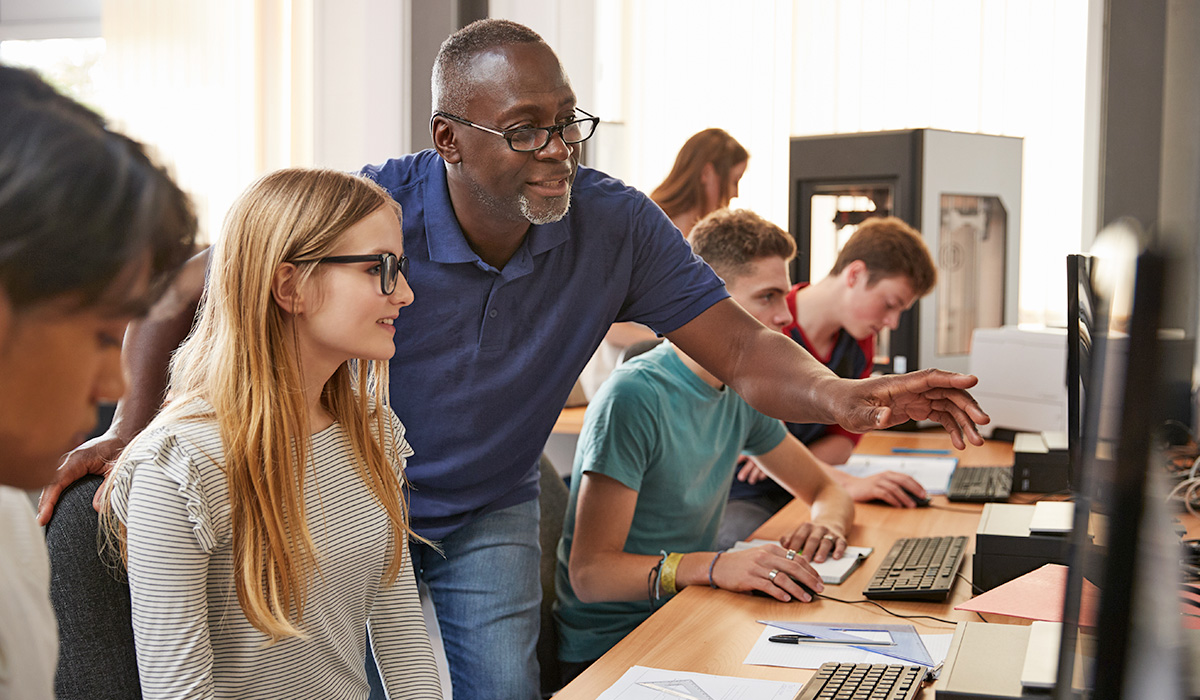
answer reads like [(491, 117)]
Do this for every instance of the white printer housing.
[(1022, 377)]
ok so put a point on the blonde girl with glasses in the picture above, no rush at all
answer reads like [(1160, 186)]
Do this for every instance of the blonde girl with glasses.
[(261, 514)]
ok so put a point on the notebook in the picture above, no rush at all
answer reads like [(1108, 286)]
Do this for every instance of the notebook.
[(832, 571), (932, 473)]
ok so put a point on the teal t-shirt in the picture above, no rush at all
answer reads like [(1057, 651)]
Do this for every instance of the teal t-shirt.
[(657, 428)]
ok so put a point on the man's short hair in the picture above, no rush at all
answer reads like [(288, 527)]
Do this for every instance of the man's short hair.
[(889, 248), (729, 240), (452, 91)]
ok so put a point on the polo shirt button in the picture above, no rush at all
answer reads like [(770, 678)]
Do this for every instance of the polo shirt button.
[(492, 313)]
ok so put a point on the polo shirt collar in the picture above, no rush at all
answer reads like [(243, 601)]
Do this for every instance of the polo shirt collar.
[(448, 244)]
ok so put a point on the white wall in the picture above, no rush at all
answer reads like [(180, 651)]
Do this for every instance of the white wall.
[(361, 82)]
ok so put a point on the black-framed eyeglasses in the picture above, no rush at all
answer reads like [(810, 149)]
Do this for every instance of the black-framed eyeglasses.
[(390, 266), (534, 138)]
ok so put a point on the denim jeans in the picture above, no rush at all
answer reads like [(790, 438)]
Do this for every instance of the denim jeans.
[(487, 594)]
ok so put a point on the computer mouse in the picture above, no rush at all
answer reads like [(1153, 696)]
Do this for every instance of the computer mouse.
[(921, 502), (812, 594)]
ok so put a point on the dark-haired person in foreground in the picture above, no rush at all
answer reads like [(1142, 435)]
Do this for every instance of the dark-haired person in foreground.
[(522, 259), (90, 233)]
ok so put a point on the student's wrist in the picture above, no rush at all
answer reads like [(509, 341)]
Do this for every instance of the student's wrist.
[(693, 569)]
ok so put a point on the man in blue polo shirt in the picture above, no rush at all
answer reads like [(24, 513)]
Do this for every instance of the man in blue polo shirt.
[(520, 260)]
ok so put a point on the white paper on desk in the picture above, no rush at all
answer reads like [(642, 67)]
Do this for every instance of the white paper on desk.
[(812, 654), (832, 571), (932, 473), (697, 685)]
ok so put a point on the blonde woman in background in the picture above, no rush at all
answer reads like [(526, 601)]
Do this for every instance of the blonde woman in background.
[(703, 179), (261, 512)]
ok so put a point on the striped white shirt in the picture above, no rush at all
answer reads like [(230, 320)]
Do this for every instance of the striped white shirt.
[(193, 641)]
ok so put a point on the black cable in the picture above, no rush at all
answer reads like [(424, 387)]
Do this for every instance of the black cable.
[(975, 589), (889, 612), (981, 617)]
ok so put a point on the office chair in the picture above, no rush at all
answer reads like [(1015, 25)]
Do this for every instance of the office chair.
[(96, 659), (553, 502), (637, 348)]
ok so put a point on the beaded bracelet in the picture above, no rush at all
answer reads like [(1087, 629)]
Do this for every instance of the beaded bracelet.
[(710, 570)]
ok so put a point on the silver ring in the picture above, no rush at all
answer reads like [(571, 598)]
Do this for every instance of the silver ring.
[(831, 538), (773, 574), (791, 554)]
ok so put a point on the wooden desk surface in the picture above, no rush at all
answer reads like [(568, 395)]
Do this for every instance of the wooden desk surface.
[(570, 421), (711, 631)]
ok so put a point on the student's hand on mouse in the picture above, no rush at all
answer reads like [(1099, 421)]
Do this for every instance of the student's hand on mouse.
[(96, 456), (893, 488), (749, 471), (778, 572), (929, 394), (816, 542)]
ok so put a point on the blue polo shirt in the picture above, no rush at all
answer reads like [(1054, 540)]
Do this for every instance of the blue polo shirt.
[(486, 358)]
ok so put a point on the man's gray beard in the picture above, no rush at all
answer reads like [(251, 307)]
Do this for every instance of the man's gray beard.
[(550, 213)]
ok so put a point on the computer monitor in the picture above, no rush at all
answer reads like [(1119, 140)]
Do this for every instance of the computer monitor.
[(1129, 561), (1122, 410)]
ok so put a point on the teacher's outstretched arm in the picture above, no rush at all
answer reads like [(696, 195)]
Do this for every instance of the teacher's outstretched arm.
[(781, 379)]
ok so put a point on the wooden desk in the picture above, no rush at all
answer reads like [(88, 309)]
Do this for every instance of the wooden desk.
[(570, 421), (711, 631)]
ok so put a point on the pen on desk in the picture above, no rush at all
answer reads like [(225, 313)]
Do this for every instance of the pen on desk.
[(918, 451), (808, 638)]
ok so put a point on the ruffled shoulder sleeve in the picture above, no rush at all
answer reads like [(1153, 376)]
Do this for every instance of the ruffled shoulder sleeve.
[(188, 456), (398, 443)]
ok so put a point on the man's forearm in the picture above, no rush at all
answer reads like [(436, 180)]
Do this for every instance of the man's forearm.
[(766, 368), (781, 379), (149, 343)]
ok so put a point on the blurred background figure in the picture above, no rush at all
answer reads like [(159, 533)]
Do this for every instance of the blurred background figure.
[(704, 178)]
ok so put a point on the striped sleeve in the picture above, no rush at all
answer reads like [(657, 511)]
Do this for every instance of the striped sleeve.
[(168, 579), (400, 641)]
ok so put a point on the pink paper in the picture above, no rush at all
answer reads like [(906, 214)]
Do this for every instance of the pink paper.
[(1038, 595)]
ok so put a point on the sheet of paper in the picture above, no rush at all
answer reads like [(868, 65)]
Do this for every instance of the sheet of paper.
[(701, 686), (832, 571), (812, 655), (1037, 595), (932, 473)]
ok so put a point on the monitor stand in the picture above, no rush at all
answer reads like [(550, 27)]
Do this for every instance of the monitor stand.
[(985, 663)]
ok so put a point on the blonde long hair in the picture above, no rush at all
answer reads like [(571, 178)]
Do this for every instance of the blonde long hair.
[(244, 362)]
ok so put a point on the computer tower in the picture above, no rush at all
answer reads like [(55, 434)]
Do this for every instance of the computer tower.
[(962, 191)]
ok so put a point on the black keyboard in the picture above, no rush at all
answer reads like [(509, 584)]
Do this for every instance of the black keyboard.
[(980, 484), (918, 568), (835, 681)]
